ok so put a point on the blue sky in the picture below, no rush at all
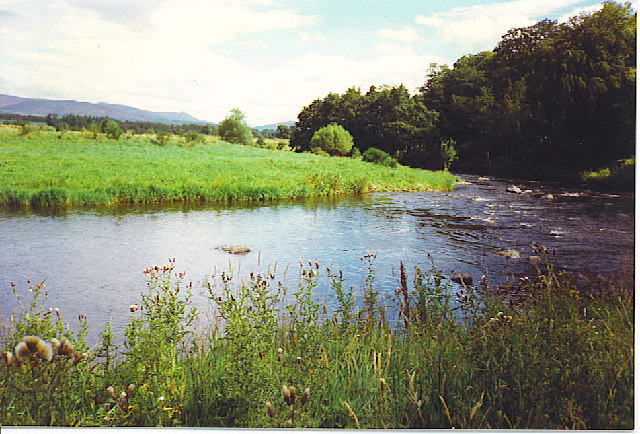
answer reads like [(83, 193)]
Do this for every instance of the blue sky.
[(269, 58)]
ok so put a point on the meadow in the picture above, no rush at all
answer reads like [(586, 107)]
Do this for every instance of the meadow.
[(48, 168), (546, 353)]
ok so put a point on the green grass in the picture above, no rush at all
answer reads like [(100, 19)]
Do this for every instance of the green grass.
[(44, 168), (551, 355)]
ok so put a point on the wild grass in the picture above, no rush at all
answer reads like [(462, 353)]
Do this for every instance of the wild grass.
[(44, 168), (549, 354)]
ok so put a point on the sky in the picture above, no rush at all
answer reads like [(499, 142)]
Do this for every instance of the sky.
[(269, 58)]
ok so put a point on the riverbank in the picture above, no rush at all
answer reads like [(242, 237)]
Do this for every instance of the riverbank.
[(544, 354), (48, 168)]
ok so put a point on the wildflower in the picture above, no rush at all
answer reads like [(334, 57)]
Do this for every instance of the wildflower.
[(79, 357), (304, 396), (111, 392), (279, 354), (134, 307), (292, 393), (286, 393), (299, 360), (6, 357), (269, 408), (383, 384), (130, 390), (55, 343), (123, 397), (22, 350)]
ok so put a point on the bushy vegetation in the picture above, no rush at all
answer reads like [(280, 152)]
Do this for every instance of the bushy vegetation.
[(546, 354), (332, 140), (375, 155), (551, 100), (46, 168), (234, 129)]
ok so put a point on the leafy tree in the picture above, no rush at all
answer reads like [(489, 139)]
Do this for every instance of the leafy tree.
[(448, 152), (283, 132), (234, 129), (112, 129), (332, 139)]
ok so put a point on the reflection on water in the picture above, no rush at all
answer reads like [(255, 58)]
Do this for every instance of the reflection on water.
[(93, 258)]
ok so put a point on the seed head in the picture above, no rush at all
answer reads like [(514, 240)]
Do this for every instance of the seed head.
[(383, 384), (111, 392), (292, 393), (304, 396), (55, 343), (130, 389), (22, 350), (286, 393), (269, 408)]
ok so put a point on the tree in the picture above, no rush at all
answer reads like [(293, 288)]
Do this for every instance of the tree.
[(283, 132), (332, 139), (112, 129), (234, 129)]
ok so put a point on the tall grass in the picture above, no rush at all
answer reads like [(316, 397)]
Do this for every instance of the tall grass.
[(550, 354), (46, 168)]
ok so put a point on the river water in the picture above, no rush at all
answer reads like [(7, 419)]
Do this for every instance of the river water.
[(92, 259)]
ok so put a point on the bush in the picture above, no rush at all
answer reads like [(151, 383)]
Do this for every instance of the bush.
[(378, 156), (112, 129), (333, 139), (234, 129)]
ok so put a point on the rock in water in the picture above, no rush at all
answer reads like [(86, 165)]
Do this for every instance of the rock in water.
[(513, 254), (514, 189), (236, 250), (462, 278)]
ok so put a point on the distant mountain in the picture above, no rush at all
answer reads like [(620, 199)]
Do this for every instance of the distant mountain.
[(43, 107), (275, 126)]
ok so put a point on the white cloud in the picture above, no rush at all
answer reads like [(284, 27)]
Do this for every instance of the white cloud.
[(407, 34), (180, 55), (482, 26), (578, 11)]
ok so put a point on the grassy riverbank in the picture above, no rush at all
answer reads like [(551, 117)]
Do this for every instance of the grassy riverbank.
[(550, 355), (44, 168)]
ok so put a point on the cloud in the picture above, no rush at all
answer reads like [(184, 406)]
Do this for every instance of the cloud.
[(407, 34), (482, 26), (187, 55), (578, 11)]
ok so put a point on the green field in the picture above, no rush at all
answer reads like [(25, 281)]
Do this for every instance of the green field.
[(46, 168)]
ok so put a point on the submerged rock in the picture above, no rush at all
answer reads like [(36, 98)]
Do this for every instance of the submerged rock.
[(514, 189), (513, 254), (462, 278)]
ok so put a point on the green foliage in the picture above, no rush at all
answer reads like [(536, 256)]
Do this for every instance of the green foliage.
[(112, 129), (549, 96), (43, 170), (448, 152), (549, 355), (332, 139), (378, 156), (234, 129)]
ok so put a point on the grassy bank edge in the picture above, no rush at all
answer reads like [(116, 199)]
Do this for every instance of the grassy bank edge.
[(30, 177)]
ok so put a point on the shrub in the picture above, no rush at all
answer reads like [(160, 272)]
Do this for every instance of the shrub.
[(234, 129), (333, 139), (378, 156)]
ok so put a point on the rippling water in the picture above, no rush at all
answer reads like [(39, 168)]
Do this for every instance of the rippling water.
[(92, 259)]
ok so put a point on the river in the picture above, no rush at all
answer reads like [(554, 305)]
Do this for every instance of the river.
[(92, 259)]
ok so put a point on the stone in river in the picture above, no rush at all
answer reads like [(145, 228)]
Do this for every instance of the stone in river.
[(513, 254), (462, 278)]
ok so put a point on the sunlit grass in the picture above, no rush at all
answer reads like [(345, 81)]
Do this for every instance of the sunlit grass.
[(49, 168)]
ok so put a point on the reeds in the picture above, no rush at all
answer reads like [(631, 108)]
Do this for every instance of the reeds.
[(551, 356)]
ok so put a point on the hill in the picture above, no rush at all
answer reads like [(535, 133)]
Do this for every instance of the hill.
[(274, 126), (43, 107)]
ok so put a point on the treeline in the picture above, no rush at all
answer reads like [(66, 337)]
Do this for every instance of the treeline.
[(550, 98), (71, 122)]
